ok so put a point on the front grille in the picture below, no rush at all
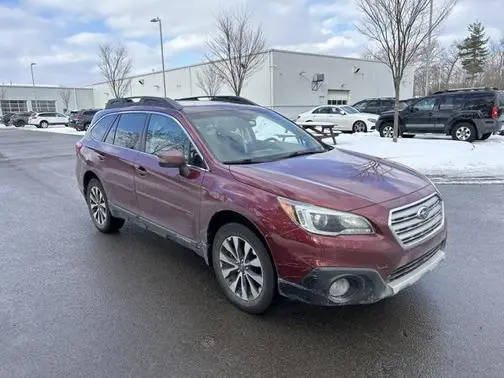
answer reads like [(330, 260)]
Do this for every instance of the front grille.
[(412, 265), (410, 228)]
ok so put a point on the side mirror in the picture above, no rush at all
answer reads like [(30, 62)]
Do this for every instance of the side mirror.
[(171, 159)]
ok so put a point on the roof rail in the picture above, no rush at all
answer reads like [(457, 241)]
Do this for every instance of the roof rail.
[(231, 99), (474, 89), (143, 101)]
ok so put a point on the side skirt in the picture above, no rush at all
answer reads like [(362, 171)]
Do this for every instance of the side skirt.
[(198, 248)]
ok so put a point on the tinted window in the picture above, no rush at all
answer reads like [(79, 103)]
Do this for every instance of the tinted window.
[(426, 104), (129, 129), (481, 101), (325, 110), (100, 128), (360, 105), (387, 104), (373, 104), (165, 134), (111, 134), (451, 102)]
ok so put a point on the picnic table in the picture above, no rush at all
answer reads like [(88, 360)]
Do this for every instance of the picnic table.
[(321, 130)]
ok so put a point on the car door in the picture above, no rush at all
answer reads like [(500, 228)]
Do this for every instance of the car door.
[(420, 116), (324, 114), (386, 104), (119, 156), (340, 118), (445, 108), (61, 118), (169, 197)]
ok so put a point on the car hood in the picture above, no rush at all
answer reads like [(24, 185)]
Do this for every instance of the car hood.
[(337, 179)]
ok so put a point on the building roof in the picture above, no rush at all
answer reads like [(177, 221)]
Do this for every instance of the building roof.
[(43, 86)]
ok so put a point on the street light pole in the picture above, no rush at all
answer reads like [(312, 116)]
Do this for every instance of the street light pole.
[(429, 48), (157, 19), (31, 69)]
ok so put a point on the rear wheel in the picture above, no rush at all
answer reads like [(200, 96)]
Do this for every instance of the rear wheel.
[(359, 127), (464, 132), (99, 208), (86, 126), (486, 136), (44, 124), (243, 268), (19, 123)]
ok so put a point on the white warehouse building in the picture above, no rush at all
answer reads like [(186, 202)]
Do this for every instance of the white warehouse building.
[(43, 98), (288, 82)]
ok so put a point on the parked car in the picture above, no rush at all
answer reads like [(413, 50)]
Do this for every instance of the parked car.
[(82, 119), (20, 119), (375, 105), (465, 114), (43, 120), (346, 117), (5, 119), (270, 208)]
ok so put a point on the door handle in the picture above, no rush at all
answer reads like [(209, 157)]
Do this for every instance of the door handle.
[(141, 170)]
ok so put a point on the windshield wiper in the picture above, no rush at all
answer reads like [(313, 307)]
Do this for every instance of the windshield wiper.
[(244, 161), (300, 153)]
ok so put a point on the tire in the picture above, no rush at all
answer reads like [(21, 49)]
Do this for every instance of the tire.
[(464, 132), (99, 208), (408, 136), (359, 127), (387, 130), (231, 264), (44, 124), (19, 123), (486, 136), (85, 127)]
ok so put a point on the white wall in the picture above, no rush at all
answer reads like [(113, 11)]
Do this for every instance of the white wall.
[(80, 98), (291, 74)]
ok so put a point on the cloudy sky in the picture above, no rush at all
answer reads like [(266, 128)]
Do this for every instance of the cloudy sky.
[(62, 36)]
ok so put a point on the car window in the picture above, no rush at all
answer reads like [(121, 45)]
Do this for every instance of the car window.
[(480, 101), (373, 104), (325, 110), (451, 102), (128, 131), (317, 111), (100, 128), (425, 104), (165, 134), (350, 109), (387, 103), (360, 105), (251, 135)]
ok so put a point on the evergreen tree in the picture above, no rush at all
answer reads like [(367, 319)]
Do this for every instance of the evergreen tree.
[(473, 50)]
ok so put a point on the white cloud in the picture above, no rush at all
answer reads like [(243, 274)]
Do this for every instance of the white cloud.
[(86, 39)]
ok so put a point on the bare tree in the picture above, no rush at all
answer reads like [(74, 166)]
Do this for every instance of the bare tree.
[(115, 65), (449, 60), (399, 28), (65, 95), (236, 51), (209, 80), (3, 93)]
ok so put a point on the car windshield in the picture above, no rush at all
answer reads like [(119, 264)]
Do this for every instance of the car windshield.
[(349, 110), (247, 136)]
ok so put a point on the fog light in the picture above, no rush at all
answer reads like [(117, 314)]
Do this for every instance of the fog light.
[(339, 288)]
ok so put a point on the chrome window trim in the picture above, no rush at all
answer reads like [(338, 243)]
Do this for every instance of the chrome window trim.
[(207, 169), (425, 237)]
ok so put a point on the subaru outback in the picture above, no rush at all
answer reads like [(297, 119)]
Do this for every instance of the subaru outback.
[(267, 206)]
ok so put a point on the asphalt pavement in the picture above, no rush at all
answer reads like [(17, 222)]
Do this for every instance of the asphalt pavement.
[(75, 302)]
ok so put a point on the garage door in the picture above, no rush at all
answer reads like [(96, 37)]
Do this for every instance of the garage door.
[(337, 97)]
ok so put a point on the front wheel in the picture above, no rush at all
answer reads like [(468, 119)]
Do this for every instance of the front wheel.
[(387, 130), (243, 268), (464, 132), (19, 124), (99, 208), (44, 124), (359, 127)]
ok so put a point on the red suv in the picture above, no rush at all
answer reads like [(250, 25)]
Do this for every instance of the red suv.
[(272, 209)]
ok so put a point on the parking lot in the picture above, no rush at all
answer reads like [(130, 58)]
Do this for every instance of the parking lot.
[(77, 302)]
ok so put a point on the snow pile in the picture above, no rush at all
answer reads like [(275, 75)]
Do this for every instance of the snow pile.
[(56, 129), (434, 155)]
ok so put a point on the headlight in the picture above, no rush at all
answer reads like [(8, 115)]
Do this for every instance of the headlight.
[(372, 120), (319, 220)]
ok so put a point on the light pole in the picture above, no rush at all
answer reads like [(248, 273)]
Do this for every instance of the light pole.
[(31, 69), (157, 19), (429, 48)]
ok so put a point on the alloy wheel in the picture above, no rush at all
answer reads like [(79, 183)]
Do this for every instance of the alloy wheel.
[(241, 268), (98, 205), (388, 131), (359, 127), (463, 133)]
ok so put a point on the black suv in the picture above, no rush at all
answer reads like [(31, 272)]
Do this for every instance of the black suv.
[(375, 105), (82, 119), (20, 119), (465, 114)]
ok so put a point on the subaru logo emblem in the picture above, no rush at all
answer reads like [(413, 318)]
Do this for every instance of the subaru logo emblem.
[(423, 213)]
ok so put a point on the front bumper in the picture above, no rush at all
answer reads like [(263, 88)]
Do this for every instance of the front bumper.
[(369, 285)]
